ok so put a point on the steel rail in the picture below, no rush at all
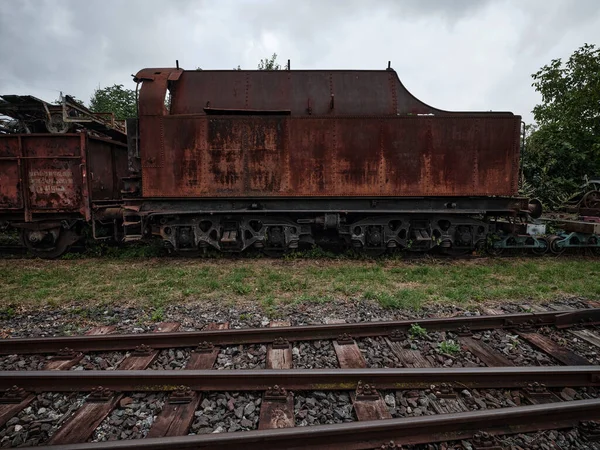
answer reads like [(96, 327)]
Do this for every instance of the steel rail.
[(373, 434), (299, 379), (113, 342)]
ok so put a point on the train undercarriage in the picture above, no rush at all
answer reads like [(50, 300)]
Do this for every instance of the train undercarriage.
[(449, 226)]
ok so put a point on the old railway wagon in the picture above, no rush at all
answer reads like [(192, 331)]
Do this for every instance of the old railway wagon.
[(275, 159), (61, 167), (272, 160)]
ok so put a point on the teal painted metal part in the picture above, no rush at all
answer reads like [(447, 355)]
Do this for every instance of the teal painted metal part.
[(519, 241), (578, 240)]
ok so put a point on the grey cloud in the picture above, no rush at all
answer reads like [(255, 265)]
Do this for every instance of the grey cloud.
[(457, 55)]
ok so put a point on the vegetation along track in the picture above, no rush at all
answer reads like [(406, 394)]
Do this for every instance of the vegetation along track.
[(488, 376)]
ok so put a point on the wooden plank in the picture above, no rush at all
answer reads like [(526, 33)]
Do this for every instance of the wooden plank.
[(63, 364), (276, 414), (542, 400), (448, 406), (217, 326), (9, 410), (175, 419), (370, 409), (349, 356), (82, 424), (200, 361), (408, 357), (484, 352), (141, 362), (167, 327), (104, 329), (66, 364), (547, 345), (587, 335), (279, 358), (492, 311), (133, 362)]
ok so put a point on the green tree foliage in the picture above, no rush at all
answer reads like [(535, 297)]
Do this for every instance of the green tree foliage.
[(269, 63), (115, 99), (564, 146)]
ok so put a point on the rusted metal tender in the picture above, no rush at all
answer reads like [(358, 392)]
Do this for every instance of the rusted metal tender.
[(271, 159)]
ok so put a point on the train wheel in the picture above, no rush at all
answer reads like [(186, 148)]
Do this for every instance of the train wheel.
[(539, 251), (591, 200), (48, 244), (554, 248), (495, 251)]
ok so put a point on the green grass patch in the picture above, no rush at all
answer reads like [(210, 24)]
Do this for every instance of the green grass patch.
[(156, 282)]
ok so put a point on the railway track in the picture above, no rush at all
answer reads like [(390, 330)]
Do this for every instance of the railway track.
[(487, 393)]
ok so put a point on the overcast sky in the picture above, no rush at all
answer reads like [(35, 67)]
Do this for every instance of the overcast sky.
[(452, 54)]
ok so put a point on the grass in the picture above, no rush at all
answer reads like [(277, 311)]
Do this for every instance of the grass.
[(156, 282), (417, 331), (449, 347)]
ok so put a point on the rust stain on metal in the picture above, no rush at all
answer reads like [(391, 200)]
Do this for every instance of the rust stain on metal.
[(250, 133), (49, 173)]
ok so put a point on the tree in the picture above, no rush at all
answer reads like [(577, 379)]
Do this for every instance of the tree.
[(564, 146), (269, 63), (115, 99)]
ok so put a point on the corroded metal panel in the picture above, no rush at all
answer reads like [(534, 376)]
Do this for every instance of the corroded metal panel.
[(357, 156), (406, 156), (107, 164), (254, 156), (312, 156), (316, 133), (54, 184), (10, 192), (43, 173)]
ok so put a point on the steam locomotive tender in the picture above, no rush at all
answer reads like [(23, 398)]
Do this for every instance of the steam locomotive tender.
[(275, 160)]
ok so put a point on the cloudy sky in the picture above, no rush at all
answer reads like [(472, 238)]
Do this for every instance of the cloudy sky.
[(452, 54)]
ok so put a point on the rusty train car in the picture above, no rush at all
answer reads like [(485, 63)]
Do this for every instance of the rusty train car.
[(275, 160)]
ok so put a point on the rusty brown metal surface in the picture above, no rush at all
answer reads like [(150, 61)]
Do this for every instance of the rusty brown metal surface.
[(43, 174), (381, 433), (113, 342), (298, 379), (340, 133)]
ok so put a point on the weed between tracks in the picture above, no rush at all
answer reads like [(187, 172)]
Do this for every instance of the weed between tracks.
[(394, 284)]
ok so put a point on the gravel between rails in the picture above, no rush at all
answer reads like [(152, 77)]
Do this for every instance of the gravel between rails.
[(100, 361), (132, 418), (319, 408), (515, 348), (314, 355), (377, 353), (171, 359), (221, 412), (35, 424), (23, 362), (242, 357)]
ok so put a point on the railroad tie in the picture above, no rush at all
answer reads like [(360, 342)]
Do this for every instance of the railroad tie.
[(177, 415), (367, 401), (277, 407), (101, 402)]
